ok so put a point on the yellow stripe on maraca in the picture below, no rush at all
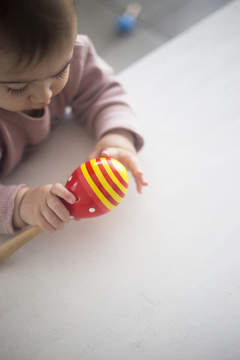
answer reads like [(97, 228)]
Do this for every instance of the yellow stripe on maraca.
[(113, 177), (95, 189), (105, 184)]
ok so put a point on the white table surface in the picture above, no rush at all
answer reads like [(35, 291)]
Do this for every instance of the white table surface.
[(159, 276)]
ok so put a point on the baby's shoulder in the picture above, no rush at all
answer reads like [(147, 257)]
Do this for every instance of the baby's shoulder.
[(82, 40), (82, 45), (82, 49)]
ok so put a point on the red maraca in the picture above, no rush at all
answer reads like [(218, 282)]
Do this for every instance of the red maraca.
[(99, 185)]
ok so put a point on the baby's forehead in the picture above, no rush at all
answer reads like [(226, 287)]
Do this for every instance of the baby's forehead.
[(26, 71), (19, 56), (8, 62)]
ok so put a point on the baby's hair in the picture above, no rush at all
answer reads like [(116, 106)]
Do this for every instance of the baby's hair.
[(30, 28)]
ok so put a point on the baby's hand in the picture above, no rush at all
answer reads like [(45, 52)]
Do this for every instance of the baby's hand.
[(42, 206), (131, 162), (118, 144)]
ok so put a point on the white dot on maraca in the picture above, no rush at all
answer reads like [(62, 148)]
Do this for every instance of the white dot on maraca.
[(72, 217), (92, 210), (70, 178)]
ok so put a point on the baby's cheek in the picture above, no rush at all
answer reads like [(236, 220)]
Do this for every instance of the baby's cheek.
[(58, 87), (12, 103)]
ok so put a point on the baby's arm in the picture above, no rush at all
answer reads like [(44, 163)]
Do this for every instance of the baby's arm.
[(119, 144), (100, 103), (42, 206)]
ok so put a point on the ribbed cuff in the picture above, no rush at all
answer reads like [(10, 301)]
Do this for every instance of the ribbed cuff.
[(7, 197)]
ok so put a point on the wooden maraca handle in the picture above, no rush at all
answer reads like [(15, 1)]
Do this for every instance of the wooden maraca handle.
[(12, 245), (133, 9)]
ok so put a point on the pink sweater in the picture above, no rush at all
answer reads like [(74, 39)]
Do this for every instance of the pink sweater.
[(98, 101)]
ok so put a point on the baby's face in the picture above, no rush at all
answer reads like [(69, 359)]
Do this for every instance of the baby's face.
[(32, 88)]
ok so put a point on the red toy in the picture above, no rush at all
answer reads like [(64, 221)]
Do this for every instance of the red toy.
[(99, 186)]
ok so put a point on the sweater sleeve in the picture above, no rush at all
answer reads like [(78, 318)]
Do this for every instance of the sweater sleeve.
[(99, 101), (7, 192), (7, 197)]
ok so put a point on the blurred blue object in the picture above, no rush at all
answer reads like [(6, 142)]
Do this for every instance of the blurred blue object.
[(127, 22)]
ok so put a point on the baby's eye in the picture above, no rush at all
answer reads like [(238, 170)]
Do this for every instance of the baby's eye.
[(61, 74), (21, 91)]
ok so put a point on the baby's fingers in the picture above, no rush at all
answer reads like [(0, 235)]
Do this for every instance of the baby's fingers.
[(60, 191), (55, 204), (49, 221), (131, 162)]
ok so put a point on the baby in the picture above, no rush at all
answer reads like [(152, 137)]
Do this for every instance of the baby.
[(45, 67)]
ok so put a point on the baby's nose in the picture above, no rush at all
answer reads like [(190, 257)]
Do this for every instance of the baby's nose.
[(42, 94)]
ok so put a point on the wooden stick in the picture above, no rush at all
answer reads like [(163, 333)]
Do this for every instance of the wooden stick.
[(133, 9), (12, 245)]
